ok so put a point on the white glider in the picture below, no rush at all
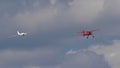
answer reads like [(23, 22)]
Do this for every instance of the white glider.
[(19, 34)]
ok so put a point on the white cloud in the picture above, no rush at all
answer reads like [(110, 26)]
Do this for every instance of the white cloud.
[(43, 18), (71, 52), (84, 59), (110, 52), (26, 58), (85, 10), (53, 2), (36, 58), (79, 11), (112, 7)]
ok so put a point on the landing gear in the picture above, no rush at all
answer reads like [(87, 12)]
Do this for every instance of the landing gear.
[(93, 36), (87, 37)]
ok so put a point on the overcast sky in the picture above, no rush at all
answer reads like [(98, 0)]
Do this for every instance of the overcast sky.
[(51, 41)]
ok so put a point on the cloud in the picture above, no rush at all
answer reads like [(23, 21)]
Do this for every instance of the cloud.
[(110, 52), (84, 59), (79, 12), (43, 18), (112, 7), (36, 17), (33, 15), (26, 58), (71, 52), (53, 2), (56, 20), (86, 10), (45, 58)]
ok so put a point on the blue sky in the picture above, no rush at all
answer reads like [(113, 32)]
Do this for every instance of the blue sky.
[(51, 42)]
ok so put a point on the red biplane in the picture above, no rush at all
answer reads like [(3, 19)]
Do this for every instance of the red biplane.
[(87, 33)]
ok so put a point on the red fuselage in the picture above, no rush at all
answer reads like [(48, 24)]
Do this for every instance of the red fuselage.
[(87, 33)]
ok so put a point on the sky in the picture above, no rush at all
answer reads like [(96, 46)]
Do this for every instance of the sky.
[(51, 41)]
